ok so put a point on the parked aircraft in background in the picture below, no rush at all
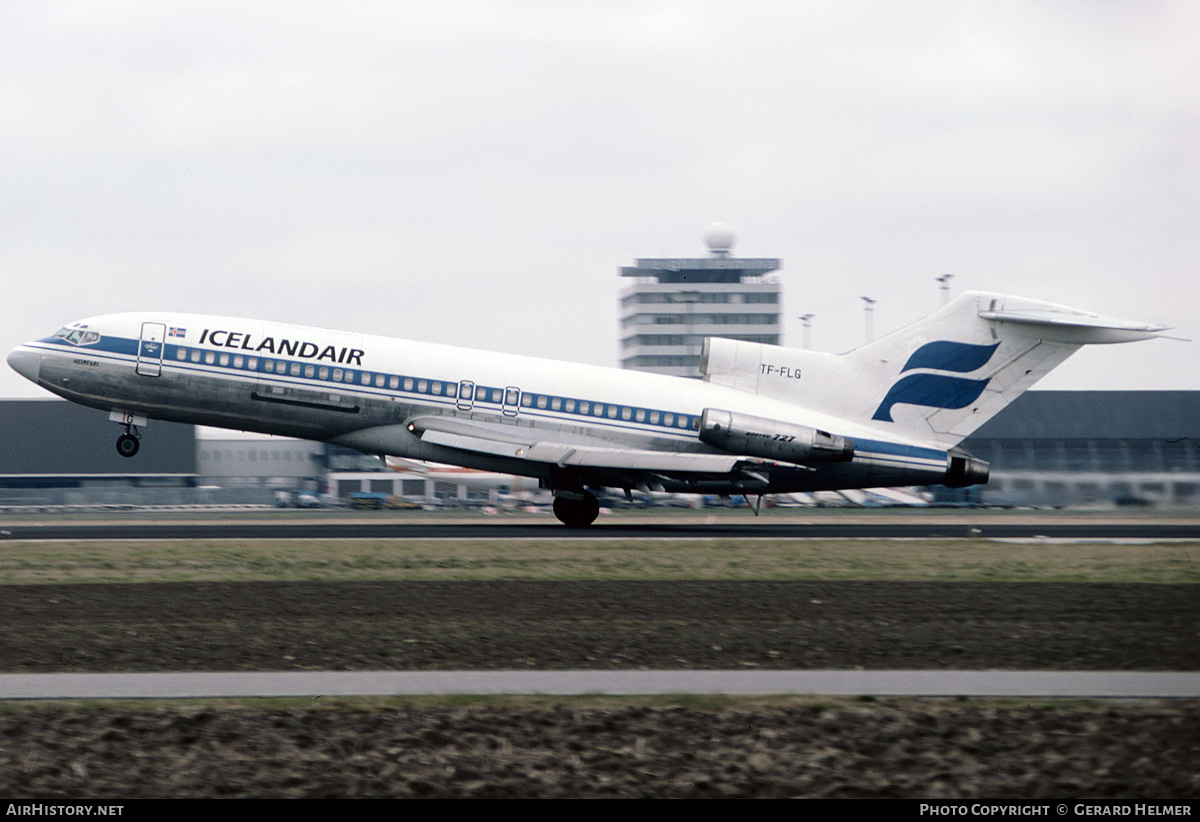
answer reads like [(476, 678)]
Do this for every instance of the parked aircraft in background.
[(765, 419), (470, 477), (858, 498)]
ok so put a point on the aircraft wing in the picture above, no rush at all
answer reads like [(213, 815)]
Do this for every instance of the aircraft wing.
[(506, 441)]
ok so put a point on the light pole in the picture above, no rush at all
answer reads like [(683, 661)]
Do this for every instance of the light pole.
[(944, 282), (806, 319), (869, 310)]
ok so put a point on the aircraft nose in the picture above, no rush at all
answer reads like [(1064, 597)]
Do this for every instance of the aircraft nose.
[(25, 362)]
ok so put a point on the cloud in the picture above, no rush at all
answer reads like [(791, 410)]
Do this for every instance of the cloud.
[(477, 172)]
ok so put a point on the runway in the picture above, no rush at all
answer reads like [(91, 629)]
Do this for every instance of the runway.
[(681, 528), (1029, 684), (899, 681)]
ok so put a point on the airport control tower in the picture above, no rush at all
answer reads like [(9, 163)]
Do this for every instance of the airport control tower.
[(674, 303)]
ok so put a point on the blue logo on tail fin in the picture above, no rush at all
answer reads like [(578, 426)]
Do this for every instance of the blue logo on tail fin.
[(933, 390), (938, 390), (962, 358)]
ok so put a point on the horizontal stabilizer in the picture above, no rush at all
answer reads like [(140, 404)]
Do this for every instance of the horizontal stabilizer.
[(1077, 328)]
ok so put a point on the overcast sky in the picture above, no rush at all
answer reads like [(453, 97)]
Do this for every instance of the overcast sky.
[(477, 172)]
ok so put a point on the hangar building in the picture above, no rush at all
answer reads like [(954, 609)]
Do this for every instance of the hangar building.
[(1049, 448), (53, 452), (1069, 448)]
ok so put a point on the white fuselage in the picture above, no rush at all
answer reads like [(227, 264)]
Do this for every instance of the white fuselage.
[(361, 391)]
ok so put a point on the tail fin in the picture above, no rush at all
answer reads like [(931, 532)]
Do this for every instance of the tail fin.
[(935, 380)]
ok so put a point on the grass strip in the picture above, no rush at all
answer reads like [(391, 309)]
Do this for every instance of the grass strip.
[(24, 562)]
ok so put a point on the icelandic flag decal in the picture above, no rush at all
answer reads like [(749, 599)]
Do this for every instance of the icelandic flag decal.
[(176, 331)]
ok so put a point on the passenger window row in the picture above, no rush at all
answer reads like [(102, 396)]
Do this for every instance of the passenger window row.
[(482, 394)]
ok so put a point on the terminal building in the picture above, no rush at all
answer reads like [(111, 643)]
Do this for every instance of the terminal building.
[(674, 303)]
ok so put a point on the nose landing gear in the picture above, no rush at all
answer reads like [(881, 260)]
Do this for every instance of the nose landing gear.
[(129, 442)]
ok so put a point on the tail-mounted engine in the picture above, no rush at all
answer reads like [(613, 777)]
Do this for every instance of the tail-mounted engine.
[(772, 439), (964, 470)]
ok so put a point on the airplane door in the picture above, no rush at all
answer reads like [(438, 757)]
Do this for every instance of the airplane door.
[(466, 395), (150, 349), (512, 401)]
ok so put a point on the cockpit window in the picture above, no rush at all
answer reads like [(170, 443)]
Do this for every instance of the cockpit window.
[(78, 336)]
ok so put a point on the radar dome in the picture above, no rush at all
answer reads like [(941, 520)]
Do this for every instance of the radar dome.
[(719, 238)]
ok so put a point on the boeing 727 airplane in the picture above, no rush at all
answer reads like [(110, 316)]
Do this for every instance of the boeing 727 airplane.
[(764, 419)]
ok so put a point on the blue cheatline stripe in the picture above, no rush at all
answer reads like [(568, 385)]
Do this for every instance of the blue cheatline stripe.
[(126, 348), (909, 456), (882, 447), (485, 396)]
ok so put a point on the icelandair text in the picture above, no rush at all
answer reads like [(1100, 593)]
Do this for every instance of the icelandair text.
[(282, 347)]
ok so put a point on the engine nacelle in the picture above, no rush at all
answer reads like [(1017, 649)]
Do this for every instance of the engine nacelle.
[(772, 439), (964, 470)]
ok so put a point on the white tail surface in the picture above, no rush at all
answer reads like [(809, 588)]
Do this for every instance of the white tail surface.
[(936, 380)]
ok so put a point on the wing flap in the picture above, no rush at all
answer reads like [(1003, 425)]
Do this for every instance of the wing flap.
[(631, 459), (493, 440)]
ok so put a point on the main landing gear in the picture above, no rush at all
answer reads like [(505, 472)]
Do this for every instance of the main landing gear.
[(129, 442), (576, 509)]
